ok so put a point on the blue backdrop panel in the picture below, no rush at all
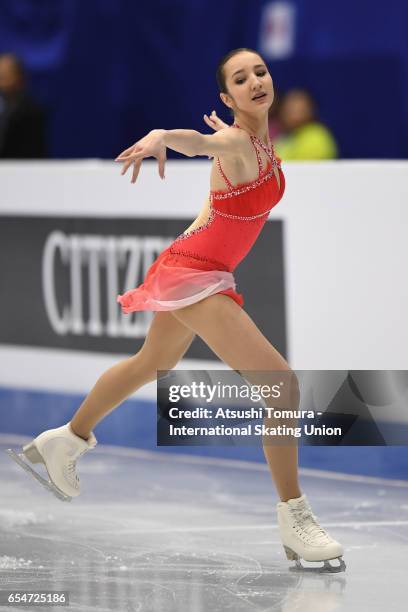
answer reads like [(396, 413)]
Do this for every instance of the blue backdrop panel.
[(111, 70)]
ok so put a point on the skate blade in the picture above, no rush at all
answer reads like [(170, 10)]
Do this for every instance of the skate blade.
[(325, 568), (47, 484)]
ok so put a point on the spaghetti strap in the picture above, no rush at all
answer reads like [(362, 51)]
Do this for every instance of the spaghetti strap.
[(258, 157), (230, 186)]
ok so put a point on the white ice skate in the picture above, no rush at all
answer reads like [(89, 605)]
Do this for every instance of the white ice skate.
[(58, 449), (303, 538)]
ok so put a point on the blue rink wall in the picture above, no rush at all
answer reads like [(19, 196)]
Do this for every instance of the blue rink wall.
[(133, 424)]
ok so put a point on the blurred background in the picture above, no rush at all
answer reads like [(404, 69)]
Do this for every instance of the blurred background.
[(98, 75)]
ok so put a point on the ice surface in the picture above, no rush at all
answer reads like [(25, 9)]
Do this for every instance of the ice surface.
[(153, 532)]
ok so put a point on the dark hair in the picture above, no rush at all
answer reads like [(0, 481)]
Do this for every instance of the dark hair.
[(220, 74)]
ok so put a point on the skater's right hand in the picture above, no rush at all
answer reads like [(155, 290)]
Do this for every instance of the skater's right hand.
[(152, 145)]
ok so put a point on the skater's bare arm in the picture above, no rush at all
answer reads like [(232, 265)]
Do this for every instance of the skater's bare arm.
[(193, 143), (189, 142), (202, 142)]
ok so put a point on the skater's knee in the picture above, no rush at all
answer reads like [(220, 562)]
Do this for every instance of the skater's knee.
[(281, 383), (149, 362), (291, 395)]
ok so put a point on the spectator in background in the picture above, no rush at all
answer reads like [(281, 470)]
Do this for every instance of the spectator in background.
[(303, 136), (22, 121)]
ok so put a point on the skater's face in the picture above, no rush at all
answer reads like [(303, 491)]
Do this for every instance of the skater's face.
[(246, 76)]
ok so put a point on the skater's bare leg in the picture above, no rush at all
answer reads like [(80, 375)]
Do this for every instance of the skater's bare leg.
[(229, 331), (166, 342), (283, 459)]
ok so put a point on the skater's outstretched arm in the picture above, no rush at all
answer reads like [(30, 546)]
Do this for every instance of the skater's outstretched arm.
[(189, 142), (193, 143)]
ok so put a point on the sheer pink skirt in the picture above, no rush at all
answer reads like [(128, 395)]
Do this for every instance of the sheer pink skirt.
[(175, 281)]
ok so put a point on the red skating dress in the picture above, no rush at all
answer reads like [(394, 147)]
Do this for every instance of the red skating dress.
[(200, 262)]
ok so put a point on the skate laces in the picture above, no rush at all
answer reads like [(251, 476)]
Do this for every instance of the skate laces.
[(71, 472), (71, 469), (307, 522)]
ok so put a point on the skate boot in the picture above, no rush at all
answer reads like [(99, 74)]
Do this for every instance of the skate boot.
[(302, 537), (58, 449)]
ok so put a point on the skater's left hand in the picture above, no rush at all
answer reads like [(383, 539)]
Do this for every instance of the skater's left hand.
[(215, 123)]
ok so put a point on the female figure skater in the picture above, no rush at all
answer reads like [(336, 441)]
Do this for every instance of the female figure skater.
[(192, 290)]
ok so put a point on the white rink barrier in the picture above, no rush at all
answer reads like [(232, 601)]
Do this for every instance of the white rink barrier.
[(345, 253)]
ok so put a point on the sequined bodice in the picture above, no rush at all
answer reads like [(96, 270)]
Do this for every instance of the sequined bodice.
[(237, 215)]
